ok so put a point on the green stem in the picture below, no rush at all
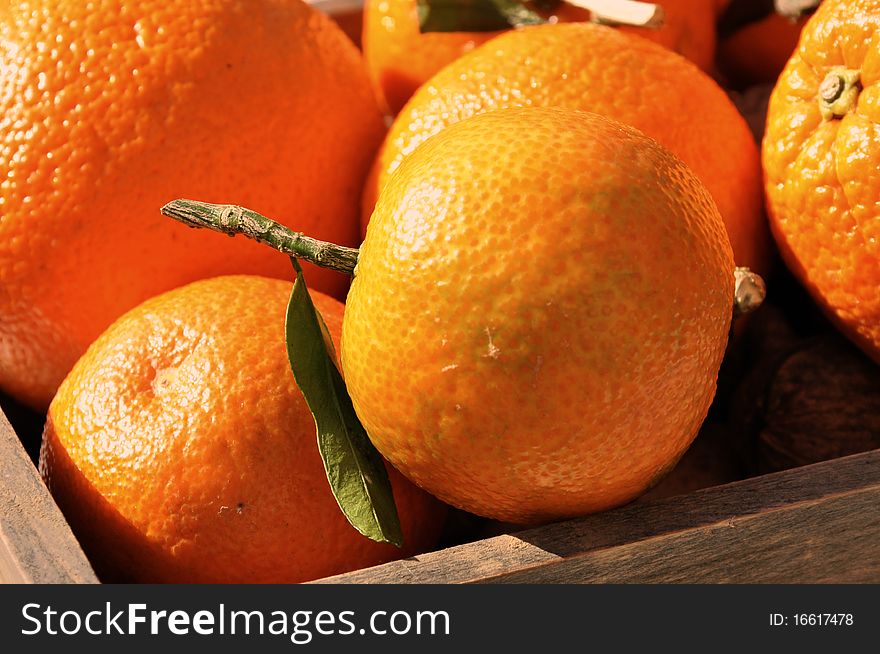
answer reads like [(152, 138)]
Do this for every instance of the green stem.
[(494, 15), (839, 92), (231, 220)]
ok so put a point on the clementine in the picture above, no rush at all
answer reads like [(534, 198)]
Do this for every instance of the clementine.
[(538, 314), (180, 449), (822, 165), (757, 52), (594, 68), (110, 109), (401, 58)]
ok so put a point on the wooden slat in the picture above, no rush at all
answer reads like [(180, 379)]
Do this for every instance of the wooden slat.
[(36, 545), (812, 524), (818, 523)]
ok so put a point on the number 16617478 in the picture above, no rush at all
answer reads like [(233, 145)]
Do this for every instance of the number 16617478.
[(811, 620)]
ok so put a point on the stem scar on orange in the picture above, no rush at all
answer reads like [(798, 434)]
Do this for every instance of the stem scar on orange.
[(821, 157), (538, 315)]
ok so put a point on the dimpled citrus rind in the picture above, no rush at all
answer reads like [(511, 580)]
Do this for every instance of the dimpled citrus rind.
[(823, 176), (538, 315), (401, 58), (180, 449), (598, 69), (110, 110)]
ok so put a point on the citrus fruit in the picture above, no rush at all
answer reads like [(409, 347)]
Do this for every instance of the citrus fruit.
[(594, 68), (180, 449), (538, 314), (348, 14), (401, 58), (757, 52), (821, 159), (109, 110)]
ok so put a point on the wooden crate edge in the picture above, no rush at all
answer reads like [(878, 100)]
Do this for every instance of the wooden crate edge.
[(36, 544), (818, 523)]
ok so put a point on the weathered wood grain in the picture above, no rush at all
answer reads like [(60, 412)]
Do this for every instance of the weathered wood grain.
[(818, 523), (36, 545), (835, 539)]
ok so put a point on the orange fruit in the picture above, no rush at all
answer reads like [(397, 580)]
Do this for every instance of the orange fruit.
[(350, 18), (401, 58), (109, 110), (821, 161), (538, 315), (593, 68), (180, 449), (757, 52)]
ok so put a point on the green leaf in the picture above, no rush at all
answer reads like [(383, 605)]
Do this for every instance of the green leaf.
[(474, 15), (354, 467)]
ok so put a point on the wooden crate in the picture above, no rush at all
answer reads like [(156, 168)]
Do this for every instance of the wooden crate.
[(36, 545), (818, 523)]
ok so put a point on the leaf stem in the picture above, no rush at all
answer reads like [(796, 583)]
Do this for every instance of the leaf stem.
[(231, 219), (494, 15)]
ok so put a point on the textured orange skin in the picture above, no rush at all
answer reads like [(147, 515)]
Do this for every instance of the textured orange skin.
[(400, 58), (823, 176), (109, 111), (593, 68), (758, 52), (181, 450), (536, 323)]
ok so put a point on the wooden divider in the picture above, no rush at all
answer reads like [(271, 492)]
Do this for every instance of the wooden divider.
[(36, 545)]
